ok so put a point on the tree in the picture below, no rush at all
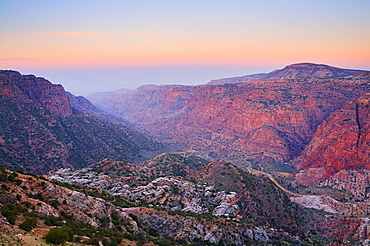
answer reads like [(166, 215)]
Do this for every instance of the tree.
[(58, 235), (28, 224)]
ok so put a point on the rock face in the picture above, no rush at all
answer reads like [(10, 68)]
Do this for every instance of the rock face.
[(293, 71), (40, 195), (342, 142), (190, 228), (29, 88), (265, 120), (331, 205), (44, 128)]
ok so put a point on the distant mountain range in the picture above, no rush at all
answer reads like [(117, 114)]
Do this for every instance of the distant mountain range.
[(298, 70), (43, 127)]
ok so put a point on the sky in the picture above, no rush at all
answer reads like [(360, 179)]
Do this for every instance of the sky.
[(94, 45)]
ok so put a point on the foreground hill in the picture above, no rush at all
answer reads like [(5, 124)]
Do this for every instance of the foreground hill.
[(45, 128), (34, 205), (187, 184), (183, 184), (260, 120)]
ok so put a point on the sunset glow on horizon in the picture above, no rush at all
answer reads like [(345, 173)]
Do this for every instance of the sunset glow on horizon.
[(49, 35)]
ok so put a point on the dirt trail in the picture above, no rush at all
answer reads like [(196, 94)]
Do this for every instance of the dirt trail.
[(259, 173)]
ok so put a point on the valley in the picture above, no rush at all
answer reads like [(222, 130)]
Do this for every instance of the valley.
[(280, 158)]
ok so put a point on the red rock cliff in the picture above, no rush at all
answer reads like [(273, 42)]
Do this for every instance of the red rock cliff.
[(341, 142), (269, 120), (29, 88)]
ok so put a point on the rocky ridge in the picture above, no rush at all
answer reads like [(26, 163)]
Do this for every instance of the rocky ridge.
[(28, 88), (169, 193)]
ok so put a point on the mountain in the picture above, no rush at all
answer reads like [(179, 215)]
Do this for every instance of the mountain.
[(310, 70), (46, 128), (341, 142), (292, 71), (261, 120)]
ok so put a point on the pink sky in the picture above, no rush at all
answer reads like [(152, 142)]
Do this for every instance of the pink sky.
[(51, 35)]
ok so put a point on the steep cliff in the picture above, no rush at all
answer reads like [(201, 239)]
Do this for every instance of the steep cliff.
[(28, 88), (341, 142)]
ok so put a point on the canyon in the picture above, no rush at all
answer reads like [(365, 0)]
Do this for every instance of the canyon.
[(259, 120), (263, 158)]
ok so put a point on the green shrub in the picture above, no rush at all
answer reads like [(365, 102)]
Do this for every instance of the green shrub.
[(54, 203), (39, 196), (153, 232), (3, 177), (58, 235), (11, 177), (53, 221), (93, 241), (4, 187), (19, 170), (28, 224), (27, 204), (18, 181), (10, 211)]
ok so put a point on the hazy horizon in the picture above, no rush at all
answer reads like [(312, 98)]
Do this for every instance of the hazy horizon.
[(86, 81), (91, 46)]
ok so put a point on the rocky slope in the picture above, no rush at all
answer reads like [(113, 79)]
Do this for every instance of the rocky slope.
[(292, 71), (44, 128), (342, 142), (93, 216), (218, 188), (264, 120)]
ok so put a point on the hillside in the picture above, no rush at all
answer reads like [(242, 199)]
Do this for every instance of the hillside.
[(32, 205), (44, 128), (217, 188)]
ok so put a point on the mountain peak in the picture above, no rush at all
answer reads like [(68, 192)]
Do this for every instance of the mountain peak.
[(310, 70), (307, 64)]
